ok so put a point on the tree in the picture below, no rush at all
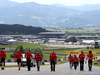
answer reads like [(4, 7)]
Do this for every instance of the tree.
[(18, 29), (45, 41), (16, 33), (34, 51), (21, 50), (71, 39)]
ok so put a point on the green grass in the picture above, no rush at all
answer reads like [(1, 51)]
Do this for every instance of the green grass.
[(24, 44), (90, 49), (61, 62), (8, 55), (59, 51), (82, 31), (96, 62), (47, 56), (28, 45), (85, 30), (10, 66), (4, 46)]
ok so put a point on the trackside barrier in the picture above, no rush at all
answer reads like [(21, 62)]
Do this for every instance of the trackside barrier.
[(94, 52)]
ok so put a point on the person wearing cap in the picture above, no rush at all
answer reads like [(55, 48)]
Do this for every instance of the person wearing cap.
[(38, 59), (75, 60), (81, 59), (28, 57), (52, 60), (90, 57), (70, 61), (18, 56), (2, 56)]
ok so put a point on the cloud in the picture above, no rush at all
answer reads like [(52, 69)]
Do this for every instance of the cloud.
[(64, 2)]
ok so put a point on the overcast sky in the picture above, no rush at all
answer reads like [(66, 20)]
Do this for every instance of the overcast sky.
[(64, 2)]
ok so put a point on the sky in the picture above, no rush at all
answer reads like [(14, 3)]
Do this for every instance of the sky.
[(64, 2)]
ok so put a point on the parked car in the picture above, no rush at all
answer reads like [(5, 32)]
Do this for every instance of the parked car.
[(24, 61)]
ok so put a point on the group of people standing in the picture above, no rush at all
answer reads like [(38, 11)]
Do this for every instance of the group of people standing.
[(28, 56), (74, 61)]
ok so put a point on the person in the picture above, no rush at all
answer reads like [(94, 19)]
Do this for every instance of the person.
[(2, 56), (38, 59), (52, 60), (18, 55), (70, 61), (81, 58), (90, 57), (28, 57), (75, 60)]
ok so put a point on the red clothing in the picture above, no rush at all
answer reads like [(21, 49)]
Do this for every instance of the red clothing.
[(70, 58), (75, 59), (81, 57), (28, 55), (90, 56), (18, 55), (2, 54), (38, 57), (53, 56)]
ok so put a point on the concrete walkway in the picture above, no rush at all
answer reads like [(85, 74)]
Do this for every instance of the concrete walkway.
[(62, 69)]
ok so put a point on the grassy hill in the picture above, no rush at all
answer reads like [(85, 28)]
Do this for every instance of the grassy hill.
[(24, 44)]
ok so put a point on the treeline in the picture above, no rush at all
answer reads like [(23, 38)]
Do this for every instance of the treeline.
[(17, 29)]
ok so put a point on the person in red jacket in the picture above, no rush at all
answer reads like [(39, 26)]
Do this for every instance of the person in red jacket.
[(52, 60), (70, 61), (18, 56), (2, 56), (28, 57), (81, 58), (75, 60), (90, 57), (38, 59)]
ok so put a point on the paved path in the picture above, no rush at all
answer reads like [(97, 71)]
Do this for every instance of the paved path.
[(62, 69), (67, 46), (78, 50)]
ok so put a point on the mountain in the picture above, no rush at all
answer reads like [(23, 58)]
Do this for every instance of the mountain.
[(35, 14), (86, 7), (7, 4)]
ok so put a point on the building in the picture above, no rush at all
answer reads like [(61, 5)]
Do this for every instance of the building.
[(17, 37), (52, 34), (85, 37)]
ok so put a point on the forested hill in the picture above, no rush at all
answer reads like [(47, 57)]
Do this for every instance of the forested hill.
[(18, 29)]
